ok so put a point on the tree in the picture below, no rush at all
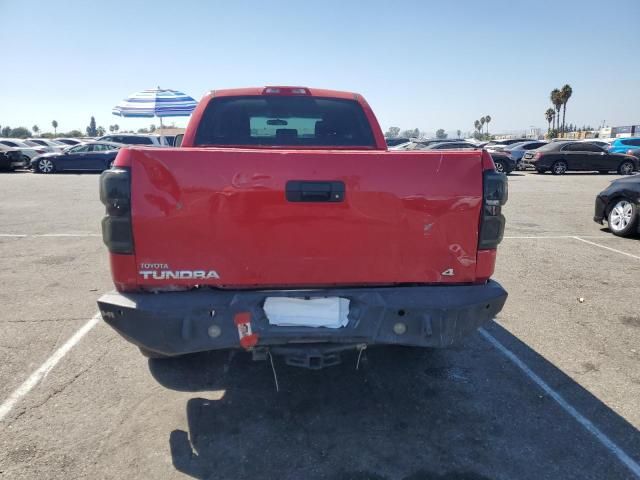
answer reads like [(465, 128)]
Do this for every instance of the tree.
[(54, 124), (440, 134), (152, 128), (392, 132), (556, 100), (74, 134), (550, 114), (20, 132), (459, 132), (35, 129), (477, 125), (111, 128), (92, 131), (415, 133), (482, 120), (487, 119), (116, 127), (6, 131), (565, 95), (100, 131)]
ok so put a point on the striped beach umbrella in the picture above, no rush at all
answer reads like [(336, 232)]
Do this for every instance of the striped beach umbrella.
[(156, 102)]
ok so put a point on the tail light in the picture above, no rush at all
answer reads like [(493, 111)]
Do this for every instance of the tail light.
[(286, 91), (115, 194), (492, 222)]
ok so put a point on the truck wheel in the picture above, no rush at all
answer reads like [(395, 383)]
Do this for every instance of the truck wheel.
[(45, 166), (559, 168), (500, 166), (623, 218), (626, 168), (151, 354)]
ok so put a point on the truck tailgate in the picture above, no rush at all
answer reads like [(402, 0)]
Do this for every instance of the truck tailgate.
[(404, 217)]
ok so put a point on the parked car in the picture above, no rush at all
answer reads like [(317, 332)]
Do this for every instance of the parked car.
[(619, 205), (503, 162), (516, 151), (135, 139), (90, 156), (12, 159), (420, 144), (621, 145), (392, 142), (450, 145), (68, 141), (560, 157), (49, 145), (635, 152), (253, 242), (501, 144), (28, 152)]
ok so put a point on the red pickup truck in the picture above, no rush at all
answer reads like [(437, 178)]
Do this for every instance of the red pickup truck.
[(282, 224)]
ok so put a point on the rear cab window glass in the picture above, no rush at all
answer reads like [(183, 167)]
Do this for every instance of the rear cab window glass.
[(284, 121)]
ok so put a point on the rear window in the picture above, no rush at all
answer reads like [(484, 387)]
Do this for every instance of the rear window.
[(284, 121)]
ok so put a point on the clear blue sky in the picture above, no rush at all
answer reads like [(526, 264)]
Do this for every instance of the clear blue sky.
[(419, 63)]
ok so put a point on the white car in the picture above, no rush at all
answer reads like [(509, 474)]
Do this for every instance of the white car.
[(50, 145), (12, 144), (68, 141), (135, 139)]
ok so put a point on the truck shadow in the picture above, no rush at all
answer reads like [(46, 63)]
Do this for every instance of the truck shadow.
[(464, 413)]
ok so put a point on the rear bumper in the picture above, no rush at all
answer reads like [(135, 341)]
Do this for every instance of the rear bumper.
[(176, 323)]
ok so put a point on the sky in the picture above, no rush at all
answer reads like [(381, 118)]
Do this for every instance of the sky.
[(423, 64)]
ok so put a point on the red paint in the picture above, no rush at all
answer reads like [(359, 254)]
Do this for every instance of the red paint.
[(248, 339), (124, 272), (486, 265)]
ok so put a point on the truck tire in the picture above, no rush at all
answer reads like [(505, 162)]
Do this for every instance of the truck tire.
[(500, 166)]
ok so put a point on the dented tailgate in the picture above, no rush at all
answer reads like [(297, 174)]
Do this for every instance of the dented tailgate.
[(246, 218)]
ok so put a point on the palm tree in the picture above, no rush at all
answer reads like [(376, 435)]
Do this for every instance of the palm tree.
[(54, 124), (482, 120), (487, 119), (556, 99), (550, 114), (459, 132), (116, 127), (477, 125), (35, 129), (565, 94)]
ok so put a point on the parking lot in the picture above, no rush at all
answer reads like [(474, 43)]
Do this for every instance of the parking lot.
[(549, 391)]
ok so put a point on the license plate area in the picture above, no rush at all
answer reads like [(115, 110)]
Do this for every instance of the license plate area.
[(327, 312)]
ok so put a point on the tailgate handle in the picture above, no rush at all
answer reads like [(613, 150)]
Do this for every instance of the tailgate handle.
[(303, 191)]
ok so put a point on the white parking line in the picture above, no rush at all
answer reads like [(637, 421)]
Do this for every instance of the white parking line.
[(527, 237), (46, 367), (40, 235), (608, 248), (566, 406)]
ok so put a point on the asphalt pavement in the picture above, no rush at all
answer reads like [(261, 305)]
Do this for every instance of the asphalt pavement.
[(548, 391)]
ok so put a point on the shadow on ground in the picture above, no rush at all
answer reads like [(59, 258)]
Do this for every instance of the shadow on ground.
[(411, 414)]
